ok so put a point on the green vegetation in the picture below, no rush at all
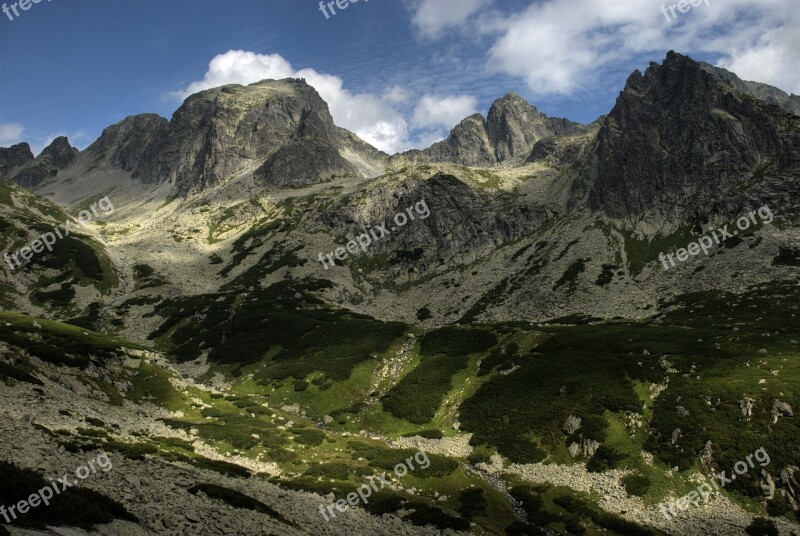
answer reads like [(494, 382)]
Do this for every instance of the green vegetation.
[(606, 520), (604, 458), (642, 252), (473, 502), (151, 384), (443, 353), (57, 343), (298, 335), (386, 458), (636, 485), (787, 257), (9, 372), (762, 527), (427, 434), (570, 277), (77, 258), (607, 275)]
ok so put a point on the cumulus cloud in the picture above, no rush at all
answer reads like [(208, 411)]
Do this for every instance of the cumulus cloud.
[(443, 111), (374, 118), (431, 18), (773, 58), (560, 46), (240, 67), (10, 134)]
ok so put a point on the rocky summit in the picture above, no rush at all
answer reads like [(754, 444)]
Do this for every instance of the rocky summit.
[(534, 326)]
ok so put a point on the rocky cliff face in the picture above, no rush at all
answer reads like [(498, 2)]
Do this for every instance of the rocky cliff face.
[(771, 94), (14, 156), (55, 157), (468, 144), (509, 132), (682, 141), (133, 145), (290, 165), (514, 126), (277, 128)]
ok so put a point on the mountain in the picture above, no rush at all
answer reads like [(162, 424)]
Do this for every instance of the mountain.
[(228, 131), (681, 141), (276, 311), (14, 156), (55, 157), (509, 132)]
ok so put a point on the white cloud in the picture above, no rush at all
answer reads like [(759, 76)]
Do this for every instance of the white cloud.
[(240, 67), (397, 94), (432, 17), (773, 59), (10, 134), (443, 111), (561, 46), (374, 118)]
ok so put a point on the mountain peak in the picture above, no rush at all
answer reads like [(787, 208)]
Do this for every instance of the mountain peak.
[(60, 152), (705, 129), (14, 156)]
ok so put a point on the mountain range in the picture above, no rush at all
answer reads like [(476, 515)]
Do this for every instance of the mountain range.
[(527, 332)]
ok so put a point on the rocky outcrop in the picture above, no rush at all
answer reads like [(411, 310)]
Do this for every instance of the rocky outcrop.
[(134, 145), (291, 165), (509, 132), (514, 126), (14, 156), (682, 141), (55, 157), (468, 144), (571, 425), (781, 409), (282, 128), (746, 405), (765, 92)]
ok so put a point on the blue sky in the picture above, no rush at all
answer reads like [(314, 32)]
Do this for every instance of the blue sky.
[(400, 73)]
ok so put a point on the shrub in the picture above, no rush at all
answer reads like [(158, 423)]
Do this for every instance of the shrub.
[(762, 527), (444, 352), (309, 436), (636, 485), (604, 458), (473, 502), (300, 385), (427, 434), (778, 506), (335, 471)]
